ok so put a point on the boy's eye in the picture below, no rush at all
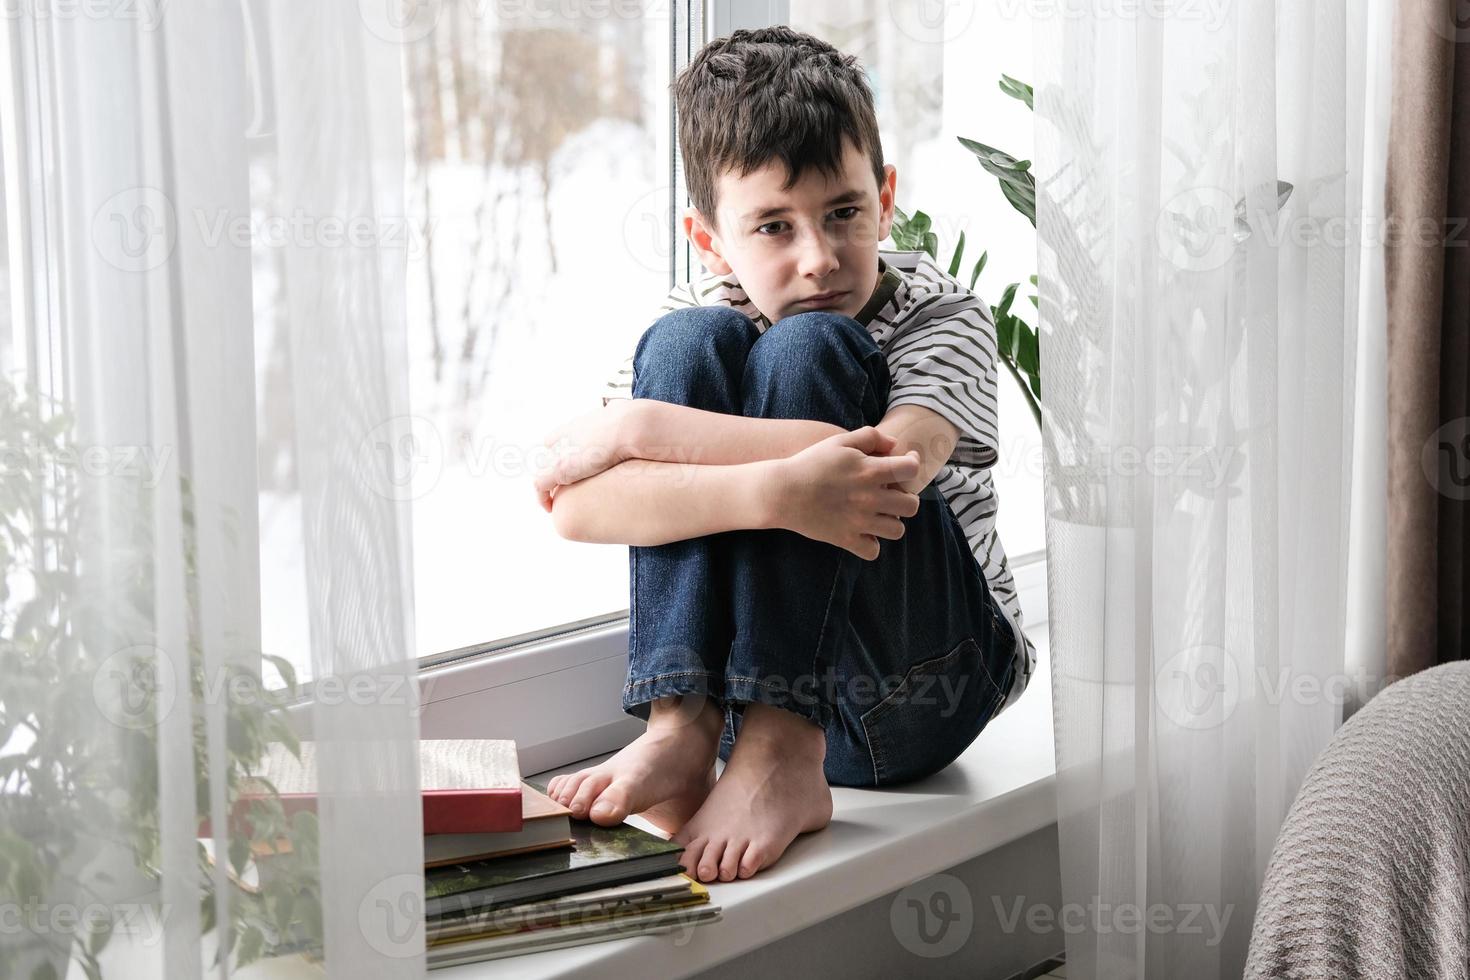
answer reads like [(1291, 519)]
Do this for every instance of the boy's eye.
[(841, 214)]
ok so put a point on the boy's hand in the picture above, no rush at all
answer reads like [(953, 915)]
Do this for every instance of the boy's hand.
[(584, 447), (840, 491)]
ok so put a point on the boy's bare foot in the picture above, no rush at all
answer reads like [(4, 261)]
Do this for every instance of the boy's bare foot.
[(771, 790), (664, 774)]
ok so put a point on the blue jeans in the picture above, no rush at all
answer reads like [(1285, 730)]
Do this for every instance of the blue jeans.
[(902, 660)]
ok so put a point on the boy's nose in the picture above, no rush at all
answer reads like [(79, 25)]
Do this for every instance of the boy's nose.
[(818, 258)]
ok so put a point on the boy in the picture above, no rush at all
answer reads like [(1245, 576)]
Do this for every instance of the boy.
[(797, 457)]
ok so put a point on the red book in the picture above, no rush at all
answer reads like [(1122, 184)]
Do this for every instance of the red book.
[(470, 785)]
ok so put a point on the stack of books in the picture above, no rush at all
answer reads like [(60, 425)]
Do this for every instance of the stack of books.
[(592, 884), (506, 869)]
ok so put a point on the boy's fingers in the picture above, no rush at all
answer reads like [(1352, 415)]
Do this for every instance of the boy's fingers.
[(887, 527), (870, 440), (899, 468), (900, 503)]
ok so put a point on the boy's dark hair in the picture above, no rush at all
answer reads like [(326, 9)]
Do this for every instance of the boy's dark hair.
[(767, 94)]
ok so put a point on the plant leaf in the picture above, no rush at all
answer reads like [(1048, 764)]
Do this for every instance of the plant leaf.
[(979, 267), (1018, 90), (252, 943), (1003, 308), (1027, 350), (288, 672), (1016, 181), (1005, 335)]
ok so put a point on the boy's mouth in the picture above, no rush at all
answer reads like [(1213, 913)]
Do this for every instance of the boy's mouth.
[(822, 298)]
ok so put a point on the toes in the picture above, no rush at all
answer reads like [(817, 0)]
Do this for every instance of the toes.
[(690, 858), (594, 784), (730, 863), (611, 806), (752, 861), (709, 863), (569, 784)]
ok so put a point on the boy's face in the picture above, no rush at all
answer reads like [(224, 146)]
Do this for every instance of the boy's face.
[(792, 249)]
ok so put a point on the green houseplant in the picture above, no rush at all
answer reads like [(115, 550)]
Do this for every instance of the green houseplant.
[(1016, 340), (79, 801), (1074, 432)]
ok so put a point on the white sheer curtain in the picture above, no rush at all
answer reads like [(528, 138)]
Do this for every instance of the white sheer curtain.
[(1198, 347), (183, 183)]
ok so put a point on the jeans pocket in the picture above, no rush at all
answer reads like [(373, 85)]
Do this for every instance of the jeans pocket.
[(933, 714)]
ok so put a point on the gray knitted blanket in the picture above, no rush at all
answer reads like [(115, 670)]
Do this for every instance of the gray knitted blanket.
[(1368, 878)]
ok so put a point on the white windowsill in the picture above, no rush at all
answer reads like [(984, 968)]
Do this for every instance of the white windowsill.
[(1000, 790)]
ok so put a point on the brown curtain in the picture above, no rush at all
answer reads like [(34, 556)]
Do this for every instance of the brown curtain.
[(1427, 248)]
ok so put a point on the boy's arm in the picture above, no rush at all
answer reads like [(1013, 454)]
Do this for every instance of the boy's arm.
[(648, 502), (646, 429), (915, 427), (842, 490), (679, 434)]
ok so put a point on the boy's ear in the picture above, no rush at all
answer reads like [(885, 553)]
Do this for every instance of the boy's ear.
[(887, 195), (705, 241)]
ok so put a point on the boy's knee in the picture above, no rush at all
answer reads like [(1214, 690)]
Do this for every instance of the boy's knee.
[(690, 332), (812, 337), (814, 348)]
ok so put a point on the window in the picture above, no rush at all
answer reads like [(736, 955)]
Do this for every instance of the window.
[(540, 160), (541, 190), (538, 175)]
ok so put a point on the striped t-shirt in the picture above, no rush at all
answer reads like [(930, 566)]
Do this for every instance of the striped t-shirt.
[(940, 343)]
